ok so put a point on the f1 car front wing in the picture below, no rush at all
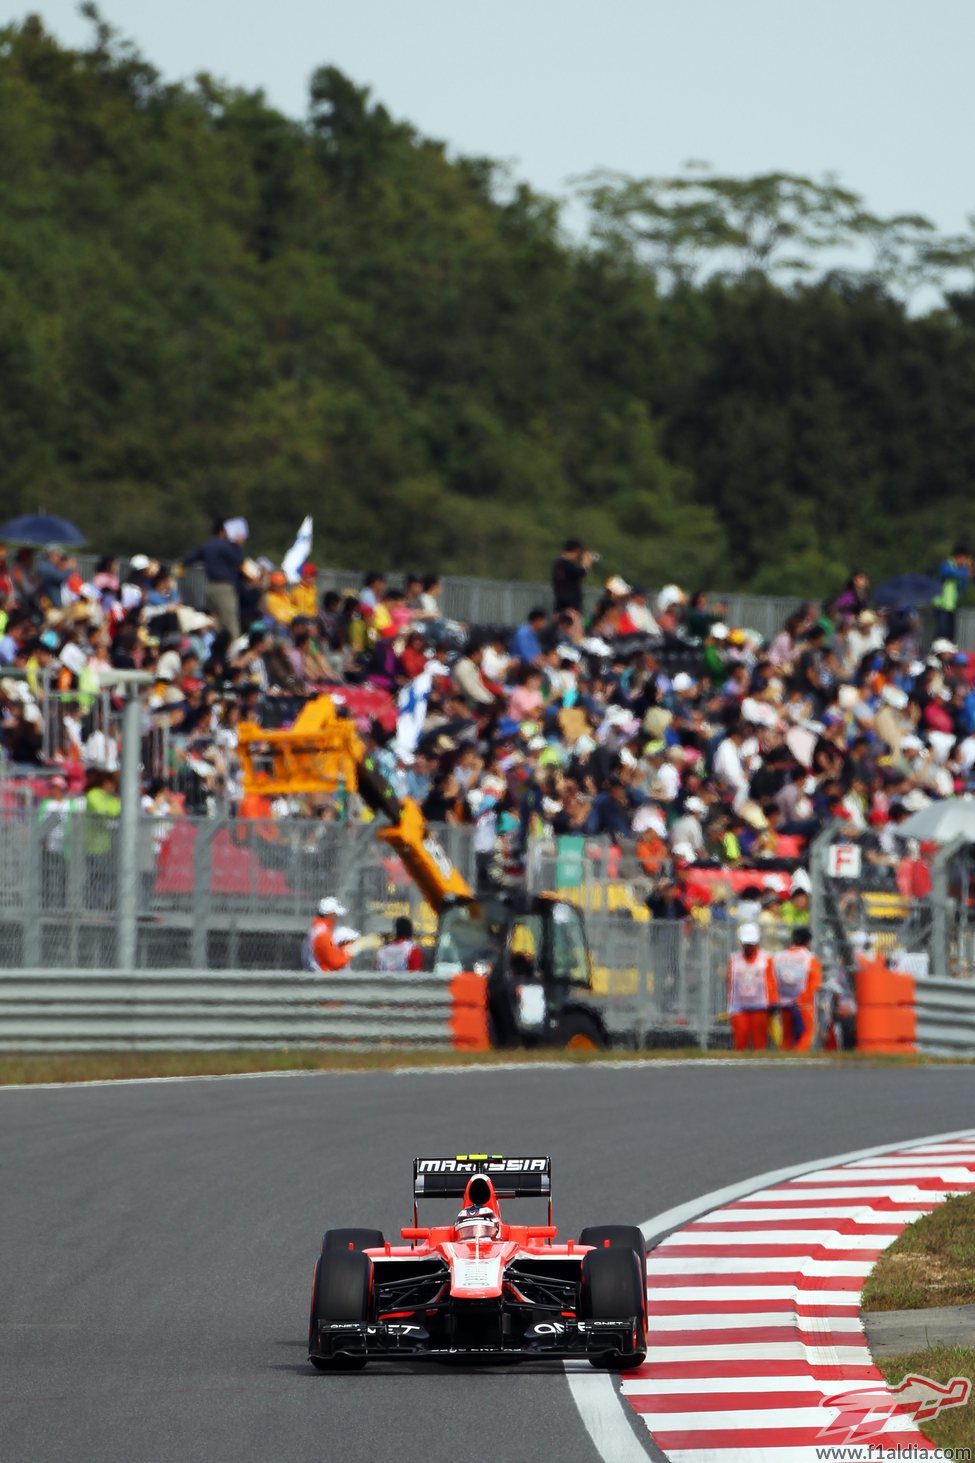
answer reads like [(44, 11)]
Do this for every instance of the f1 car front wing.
[(556, 1338)]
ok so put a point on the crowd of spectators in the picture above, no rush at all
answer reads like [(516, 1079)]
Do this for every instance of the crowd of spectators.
[(649, 718)]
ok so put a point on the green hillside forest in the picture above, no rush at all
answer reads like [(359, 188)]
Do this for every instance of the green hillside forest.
[(209, 307)]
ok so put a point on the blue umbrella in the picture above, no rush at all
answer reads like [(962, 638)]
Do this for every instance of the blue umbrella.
[(40, 529), (910, 590)]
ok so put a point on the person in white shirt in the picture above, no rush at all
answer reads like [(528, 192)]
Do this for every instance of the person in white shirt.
[(751, 990), (640, 613), (401, 953), (666, 781), (729, 766), (687, 828), (866, 635)]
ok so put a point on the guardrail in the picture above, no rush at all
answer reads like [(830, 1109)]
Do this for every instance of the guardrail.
[(945, 1017), (183, 1010), (652, 997)]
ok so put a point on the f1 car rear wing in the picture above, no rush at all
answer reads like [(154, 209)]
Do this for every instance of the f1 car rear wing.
[(513, 1178)]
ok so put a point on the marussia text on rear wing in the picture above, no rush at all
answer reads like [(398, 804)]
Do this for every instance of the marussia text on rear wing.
[(513, 1178)]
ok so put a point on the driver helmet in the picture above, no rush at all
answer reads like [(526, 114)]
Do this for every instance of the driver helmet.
[(477, 1223)]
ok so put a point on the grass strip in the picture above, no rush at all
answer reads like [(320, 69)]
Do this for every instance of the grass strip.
[(21, 1069), (931, 1264), (100, 1066)]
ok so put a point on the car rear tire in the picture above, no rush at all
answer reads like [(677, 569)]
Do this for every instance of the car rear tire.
[(342, 1291), (579, 1032), (352, 1239), (614, 1285)]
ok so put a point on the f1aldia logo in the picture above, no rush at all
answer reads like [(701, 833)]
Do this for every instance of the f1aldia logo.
[(864, 1411)]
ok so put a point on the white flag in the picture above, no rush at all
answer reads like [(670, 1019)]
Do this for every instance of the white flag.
[(411, 707), (237, 530), (299, 551)]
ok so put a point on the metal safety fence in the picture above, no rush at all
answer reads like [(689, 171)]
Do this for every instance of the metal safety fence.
[(892, 897), (476, 601), (507, 602), (599, 874), (672, 971), (661, 982), (237, 895), (84, 726), (212, 893), (192, 581)]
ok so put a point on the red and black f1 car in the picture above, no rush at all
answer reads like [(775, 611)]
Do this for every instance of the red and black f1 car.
[(480, 1287)]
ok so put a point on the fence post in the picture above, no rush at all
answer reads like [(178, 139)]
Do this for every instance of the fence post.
[(47, 704), (202, 860), (940, 952), (646, 997), (817, 878), (33, 887), (128, 840), (77, 876), (701, 938)]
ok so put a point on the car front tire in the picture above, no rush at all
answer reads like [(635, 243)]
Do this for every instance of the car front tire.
[(614, 1285), (342, 1291)]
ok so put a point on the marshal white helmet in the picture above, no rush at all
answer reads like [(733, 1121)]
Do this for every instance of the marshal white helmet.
[(477, 1223)]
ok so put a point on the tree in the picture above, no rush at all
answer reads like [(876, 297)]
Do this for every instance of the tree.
[(207, 307), (703, 225)]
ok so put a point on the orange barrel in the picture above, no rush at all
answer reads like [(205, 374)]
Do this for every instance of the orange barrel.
[(886, 1016), (469, 1012)]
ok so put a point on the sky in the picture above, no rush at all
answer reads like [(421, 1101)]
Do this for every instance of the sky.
[(876, 91)]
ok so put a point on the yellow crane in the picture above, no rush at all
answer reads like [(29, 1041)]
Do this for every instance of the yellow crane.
[(323, 753)]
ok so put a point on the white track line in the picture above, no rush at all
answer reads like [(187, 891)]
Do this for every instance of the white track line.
[(162, 1081), (666, 1264), (440, 1070), (827, 1239), (801, 1294), (634, 1064), (677, 1386), (747, 1214), (745, 1320), (602, 1411)]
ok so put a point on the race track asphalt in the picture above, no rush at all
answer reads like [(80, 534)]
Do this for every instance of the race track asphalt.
[(157, 1241)]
